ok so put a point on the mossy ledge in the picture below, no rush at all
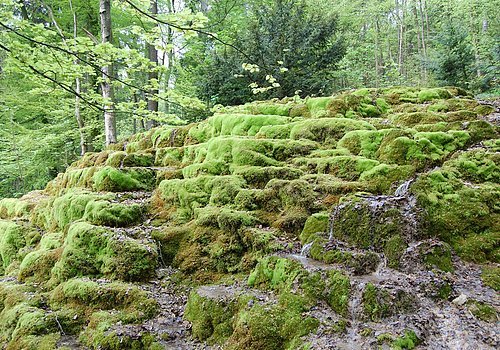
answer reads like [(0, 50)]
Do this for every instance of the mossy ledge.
[(192, 234)]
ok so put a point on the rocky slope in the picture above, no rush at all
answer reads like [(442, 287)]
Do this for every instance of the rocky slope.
[(370, 219)]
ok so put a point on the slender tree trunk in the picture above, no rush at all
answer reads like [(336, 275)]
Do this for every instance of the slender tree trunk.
[(153, 74), (78, 89), (377, 49), (107, 73), (24, 11)]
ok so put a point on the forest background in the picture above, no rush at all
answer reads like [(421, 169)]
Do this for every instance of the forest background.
[(65, 64)]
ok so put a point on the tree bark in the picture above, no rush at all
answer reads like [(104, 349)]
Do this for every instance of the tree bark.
[(153, 74), (78, 89), (24, 11), (107, 73)]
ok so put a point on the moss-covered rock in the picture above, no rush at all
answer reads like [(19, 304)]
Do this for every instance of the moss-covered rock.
[(94, 251)]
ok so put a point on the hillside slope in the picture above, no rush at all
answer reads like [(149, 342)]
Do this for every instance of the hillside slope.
[(364, 220)]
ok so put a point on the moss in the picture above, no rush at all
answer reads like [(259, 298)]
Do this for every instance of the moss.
[(407, 341), (300, 110), (315, 223), (92, 251), (271, 327), (358, 225), (260, 176), (11, 208), (211, 319), (491, 277), (234, 125), (338, 289), (138, 160), (223, 218), (115, 159), (461, 215), (13, 238), (269, 108), (275, 273), (358, 263), (37, 265), (169, 239), (415, 118), (292, 220), (483, 110), (114, 180), (426, 95), (437, 256), (326, 130), (375, 302), (98, 295), (476, 165), (317, 106), (364, 143), (480, 248), (483, 311), (344, 167), (394, 250), (104, 213)]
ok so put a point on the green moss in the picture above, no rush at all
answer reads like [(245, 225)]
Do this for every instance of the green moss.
[(260, 176), (483, 311), (98, 295), (326, 130), (375, 302), (393, 250), (461, 215), (315, 223), (13, 238), (300, 110), (114, 180), (426, 95), (491, 277), (317, 106), (170, 239), (271, 327), (11, 208), (92, 251), (438, 256), (344, 167), (115, 159), (104, 213), (364, 143), (138, 160), (212, 319), (275, 273), (477, 165), (37, 265), (223, 218), (484, 110), (234, 125), (338, 289), (407, 341)]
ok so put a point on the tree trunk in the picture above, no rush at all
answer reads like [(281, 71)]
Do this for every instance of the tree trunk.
[(24, 11), (153, 74), (78, 89), (107, 73)]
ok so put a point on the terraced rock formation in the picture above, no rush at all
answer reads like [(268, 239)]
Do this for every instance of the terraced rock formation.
[(369, 219)]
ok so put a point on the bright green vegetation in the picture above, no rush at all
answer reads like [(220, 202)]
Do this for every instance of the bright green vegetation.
[(232, 196), (243, 323), (483, 311)]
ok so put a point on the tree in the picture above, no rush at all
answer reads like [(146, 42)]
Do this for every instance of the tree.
[(107, 74), (454, 61), (291, 46)]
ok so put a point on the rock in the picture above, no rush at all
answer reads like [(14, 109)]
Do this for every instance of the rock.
[(460, 300)]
